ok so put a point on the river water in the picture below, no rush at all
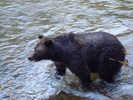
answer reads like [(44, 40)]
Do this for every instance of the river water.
[(21, 21)]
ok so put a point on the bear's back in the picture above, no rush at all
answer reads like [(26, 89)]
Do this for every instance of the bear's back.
[(99, 39)]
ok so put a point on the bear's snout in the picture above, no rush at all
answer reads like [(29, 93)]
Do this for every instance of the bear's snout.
[(31, 58)]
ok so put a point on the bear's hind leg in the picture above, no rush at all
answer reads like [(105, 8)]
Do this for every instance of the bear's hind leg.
[(110, 62), (109, 70)]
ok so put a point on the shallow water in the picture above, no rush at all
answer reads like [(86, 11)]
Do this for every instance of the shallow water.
[(21, 21)]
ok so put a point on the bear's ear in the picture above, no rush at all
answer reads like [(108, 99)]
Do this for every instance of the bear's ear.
[(48, 43), (40, 36)]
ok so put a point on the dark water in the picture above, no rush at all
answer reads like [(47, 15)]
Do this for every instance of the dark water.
[(21, 21)]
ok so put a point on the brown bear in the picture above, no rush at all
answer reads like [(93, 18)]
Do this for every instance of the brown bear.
[(82, 53)]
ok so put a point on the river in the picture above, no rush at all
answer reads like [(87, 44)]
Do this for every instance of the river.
[(21, 21)]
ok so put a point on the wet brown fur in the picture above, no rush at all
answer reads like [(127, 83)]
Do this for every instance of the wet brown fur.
[(83, 54)]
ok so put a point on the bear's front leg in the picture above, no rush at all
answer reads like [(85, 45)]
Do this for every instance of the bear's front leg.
[(60, 68), (84, 76), (81, 70)]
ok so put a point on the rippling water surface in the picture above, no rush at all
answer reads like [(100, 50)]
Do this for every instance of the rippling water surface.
[(21, 21)]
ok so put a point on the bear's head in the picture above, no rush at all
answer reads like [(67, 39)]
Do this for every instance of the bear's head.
[(45, 49)]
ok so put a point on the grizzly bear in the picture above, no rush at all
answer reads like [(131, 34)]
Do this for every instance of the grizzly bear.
[(82, 53)]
